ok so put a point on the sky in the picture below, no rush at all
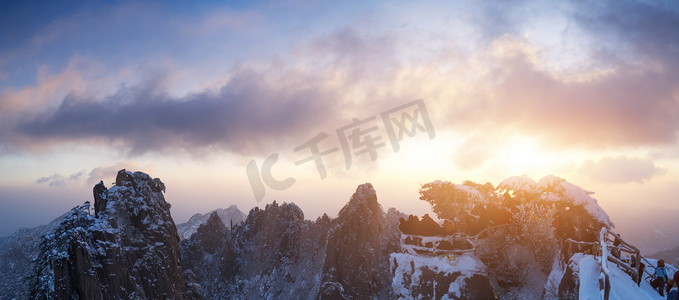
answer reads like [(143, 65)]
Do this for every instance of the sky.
[(226, 101)]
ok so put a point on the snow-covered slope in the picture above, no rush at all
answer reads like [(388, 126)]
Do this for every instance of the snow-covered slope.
[(588, 273), (228, 215)]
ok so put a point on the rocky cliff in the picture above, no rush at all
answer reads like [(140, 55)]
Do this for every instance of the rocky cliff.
[(127, 249), (355, 261)]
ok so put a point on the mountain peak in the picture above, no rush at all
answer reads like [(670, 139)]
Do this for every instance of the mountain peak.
[(129, 248), (229, 216), (365, 191)]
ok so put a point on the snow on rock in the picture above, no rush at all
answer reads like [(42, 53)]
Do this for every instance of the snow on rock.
[(355, 262), (549, 188), (364, 192), (438, 277), (554, 188), (207, 258), (522, 184), (129, 249), (18, 253), (229, 216), (589, 272), (553, 280), (472, 193), (279, 255)]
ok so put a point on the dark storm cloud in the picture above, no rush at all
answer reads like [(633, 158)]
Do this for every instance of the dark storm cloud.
[(248, 113)]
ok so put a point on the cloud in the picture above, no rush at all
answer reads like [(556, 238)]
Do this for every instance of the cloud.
[(108, 173), (475, 151), (356, 56), (624, 107), (638, 30), (505, 82), (255, 110), (612, 84), (59, 180), (224, 21), (621, 169)]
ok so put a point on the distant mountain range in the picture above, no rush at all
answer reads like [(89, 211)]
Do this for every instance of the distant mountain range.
[(17, 253), (670, 256), (230, 217)]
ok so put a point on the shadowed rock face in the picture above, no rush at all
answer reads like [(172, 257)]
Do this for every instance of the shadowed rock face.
[(99, 192), (437, 284), (354, 258), (209, 261), (569, 286), (128, 250)]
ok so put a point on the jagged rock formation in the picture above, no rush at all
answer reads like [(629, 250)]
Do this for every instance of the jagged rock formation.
[(277, 249), (231, 216), (129, 249), (274, 254), (355, 260), (208, 258)]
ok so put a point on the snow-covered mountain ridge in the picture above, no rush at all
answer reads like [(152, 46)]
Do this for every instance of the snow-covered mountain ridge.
[(506, 242)]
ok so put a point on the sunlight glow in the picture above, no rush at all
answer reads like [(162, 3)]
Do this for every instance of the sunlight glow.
[(524, 154)]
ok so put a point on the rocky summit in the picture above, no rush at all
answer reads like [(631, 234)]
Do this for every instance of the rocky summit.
[(127, 249)]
